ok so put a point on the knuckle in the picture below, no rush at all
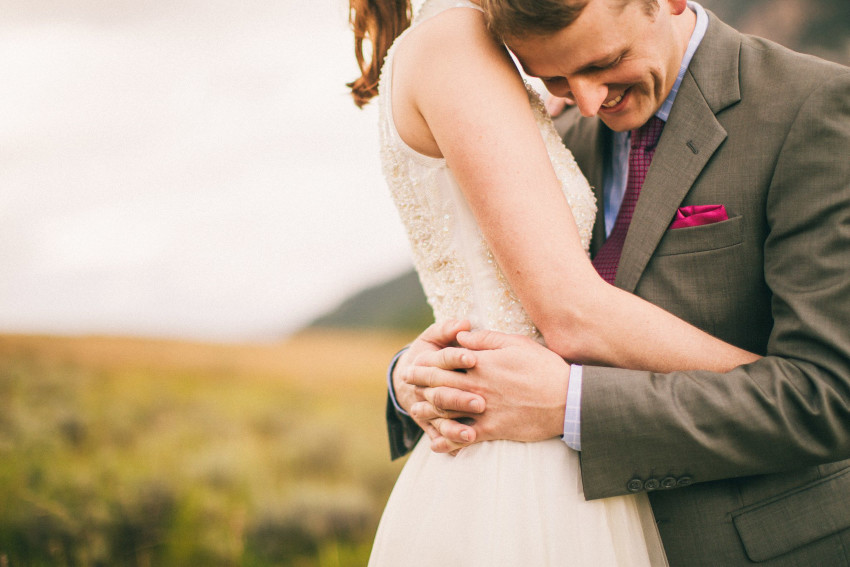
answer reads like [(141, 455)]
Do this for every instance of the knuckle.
[(420, 377), (418, 360), (448, 430), (430, 431), (461, 359), (417, 410), (410, 375), (426, 411), (451, 401), (438, 398), (452, 431)]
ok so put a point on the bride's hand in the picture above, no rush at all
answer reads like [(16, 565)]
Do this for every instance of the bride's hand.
[(446, 435)]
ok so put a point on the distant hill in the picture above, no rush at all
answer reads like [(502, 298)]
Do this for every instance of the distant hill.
[(819, 27), (396, 304)]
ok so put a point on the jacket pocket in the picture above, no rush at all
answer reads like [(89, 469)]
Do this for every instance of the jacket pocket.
[(793, 519), (702, 238)]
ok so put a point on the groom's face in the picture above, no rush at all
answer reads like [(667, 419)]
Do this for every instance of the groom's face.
[(617, 62)]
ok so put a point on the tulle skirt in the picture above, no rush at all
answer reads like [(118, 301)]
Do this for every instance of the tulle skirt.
[(503, 503)]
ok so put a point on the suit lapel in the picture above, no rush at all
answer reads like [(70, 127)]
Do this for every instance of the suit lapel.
[(690, 137)]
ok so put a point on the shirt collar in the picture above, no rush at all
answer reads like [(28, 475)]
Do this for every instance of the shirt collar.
[(696, 38)]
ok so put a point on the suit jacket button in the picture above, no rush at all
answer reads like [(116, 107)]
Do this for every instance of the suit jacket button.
[(652, 484), (685, 481), (668, 482), (635, 485)]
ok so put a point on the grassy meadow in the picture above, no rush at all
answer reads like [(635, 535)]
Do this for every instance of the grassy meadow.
[(121, 451)]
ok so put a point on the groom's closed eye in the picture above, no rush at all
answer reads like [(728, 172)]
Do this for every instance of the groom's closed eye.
[(609, 65), (554, 81), (605, 64), (598, 66)]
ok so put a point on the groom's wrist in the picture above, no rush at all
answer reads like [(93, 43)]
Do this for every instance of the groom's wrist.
[(391, 385), (572, 411)]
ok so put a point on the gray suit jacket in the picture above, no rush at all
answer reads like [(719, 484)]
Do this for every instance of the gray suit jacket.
[(751, 465)]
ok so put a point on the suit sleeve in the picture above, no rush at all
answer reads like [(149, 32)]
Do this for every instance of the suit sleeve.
[(403, 431), (789, 410)]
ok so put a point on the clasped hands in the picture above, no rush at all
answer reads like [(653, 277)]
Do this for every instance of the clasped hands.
[(463, 387)]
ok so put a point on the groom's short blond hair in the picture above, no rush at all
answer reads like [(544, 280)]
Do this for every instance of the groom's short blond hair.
[(522, 18)]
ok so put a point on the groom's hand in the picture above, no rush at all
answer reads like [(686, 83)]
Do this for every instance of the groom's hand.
[(446, 434), (523, 384)]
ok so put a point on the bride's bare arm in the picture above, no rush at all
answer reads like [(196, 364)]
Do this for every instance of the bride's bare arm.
[(458, 95)]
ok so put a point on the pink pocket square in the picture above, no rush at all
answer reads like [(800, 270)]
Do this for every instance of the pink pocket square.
[(698, 215)]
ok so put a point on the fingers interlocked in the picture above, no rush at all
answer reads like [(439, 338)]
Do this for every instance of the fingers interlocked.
[(445, 397)]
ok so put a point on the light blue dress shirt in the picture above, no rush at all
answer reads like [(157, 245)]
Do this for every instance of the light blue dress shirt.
[(615, 176)]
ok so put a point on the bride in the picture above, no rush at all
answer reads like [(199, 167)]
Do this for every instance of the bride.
[(499, 219)]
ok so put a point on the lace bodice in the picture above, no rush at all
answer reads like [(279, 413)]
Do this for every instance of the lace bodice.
[(458, 272)]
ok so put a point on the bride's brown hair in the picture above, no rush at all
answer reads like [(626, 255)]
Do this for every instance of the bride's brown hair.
[(379, 22)]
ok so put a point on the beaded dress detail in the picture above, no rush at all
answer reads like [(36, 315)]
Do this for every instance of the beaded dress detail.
[(447, 245), (497, 503)]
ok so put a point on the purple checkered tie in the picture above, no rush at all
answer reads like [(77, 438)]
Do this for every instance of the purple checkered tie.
[(642, 149)]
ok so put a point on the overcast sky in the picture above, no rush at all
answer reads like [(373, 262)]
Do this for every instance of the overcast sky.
[(184, 168), (188, 168)]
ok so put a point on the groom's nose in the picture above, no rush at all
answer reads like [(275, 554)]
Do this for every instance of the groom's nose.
[(588, 94)]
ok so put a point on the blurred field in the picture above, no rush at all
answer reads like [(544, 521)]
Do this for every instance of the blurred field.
[(118, 451)]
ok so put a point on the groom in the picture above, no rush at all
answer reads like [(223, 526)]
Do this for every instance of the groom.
[(753, 163)]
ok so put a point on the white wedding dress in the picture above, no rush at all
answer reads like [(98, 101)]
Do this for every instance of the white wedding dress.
[(497, 503)]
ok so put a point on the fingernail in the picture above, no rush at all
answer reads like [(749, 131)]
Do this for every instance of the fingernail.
[(464, 435), (476, 405)]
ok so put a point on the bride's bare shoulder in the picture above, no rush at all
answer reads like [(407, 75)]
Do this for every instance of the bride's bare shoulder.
[(440, 66), (449, 42)]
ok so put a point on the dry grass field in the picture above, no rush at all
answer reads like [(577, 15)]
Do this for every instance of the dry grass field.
[(123, 451)]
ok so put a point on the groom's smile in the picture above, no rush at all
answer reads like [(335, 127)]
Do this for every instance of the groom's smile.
[(613, 102), (615, 61)]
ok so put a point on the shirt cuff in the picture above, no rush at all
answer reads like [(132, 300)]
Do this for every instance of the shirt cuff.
[(572, 414), (390, 388)]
